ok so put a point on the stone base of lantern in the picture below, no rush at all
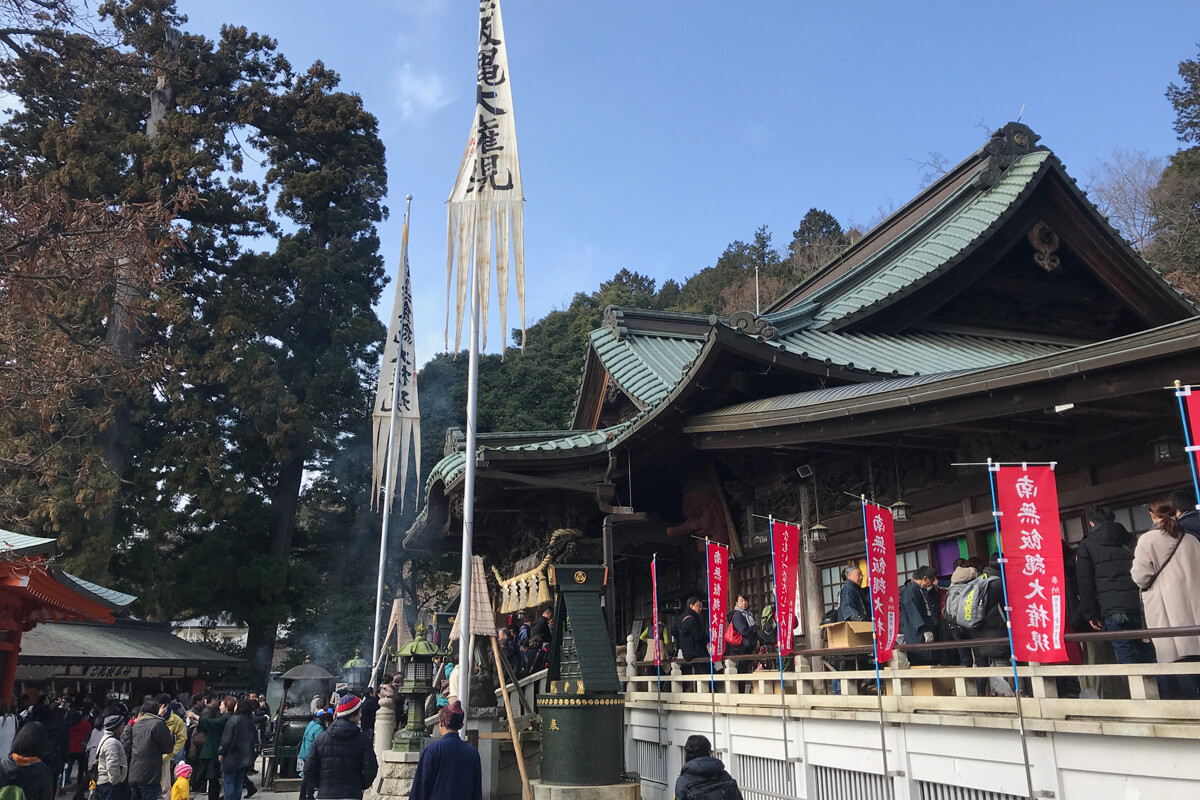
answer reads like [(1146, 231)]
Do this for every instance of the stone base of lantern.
[(396, 772)]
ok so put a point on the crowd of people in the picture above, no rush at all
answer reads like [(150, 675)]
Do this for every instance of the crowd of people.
[(1114, 581)]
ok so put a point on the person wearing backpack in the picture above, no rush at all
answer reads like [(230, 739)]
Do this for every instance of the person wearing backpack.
[(984, 615), (704, 777), (963, 573), (23, 774), (1109, 600)]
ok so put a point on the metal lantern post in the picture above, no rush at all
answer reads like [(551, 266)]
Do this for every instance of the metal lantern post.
[(417, 668)]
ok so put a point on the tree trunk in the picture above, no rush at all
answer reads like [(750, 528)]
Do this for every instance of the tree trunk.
[(260, 639)]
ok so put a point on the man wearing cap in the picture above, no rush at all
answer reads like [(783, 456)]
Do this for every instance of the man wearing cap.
[(449, 767), (341, 762), (111, 765)]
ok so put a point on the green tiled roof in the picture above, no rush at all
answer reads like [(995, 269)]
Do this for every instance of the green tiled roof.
[(945, 234), (914, 353), (575, 441), (19, 544), (646, 367), (109, 596)]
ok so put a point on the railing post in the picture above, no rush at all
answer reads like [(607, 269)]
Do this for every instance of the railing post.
[(1143, 687), (730, 669), (630, 658), (676, 671)]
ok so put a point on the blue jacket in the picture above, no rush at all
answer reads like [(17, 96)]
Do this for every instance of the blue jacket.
[(853, 603), (449, 770), (313, 730)]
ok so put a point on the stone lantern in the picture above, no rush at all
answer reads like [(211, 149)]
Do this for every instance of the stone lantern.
[(417, 670)]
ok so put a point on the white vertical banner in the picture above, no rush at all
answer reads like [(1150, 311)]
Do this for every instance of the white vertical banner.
[(397, 392), (487, 197)]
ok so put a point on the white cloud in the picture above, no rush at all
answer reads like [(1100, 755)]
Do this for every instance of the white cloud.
[(419, 95)]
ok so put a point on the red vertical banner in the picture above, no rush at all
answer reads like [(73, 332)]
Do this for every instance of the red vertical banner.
[(718, 589), (1192, 404), (785, 540), (881, 578), (1031, 541), (657, 634)]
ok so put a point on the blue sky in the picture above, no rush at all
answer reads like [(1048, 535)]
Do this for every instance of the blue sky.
[(653, 134)]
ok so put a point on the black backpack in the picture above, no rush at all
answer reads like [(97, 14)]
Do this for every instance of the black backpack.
[(720, 789)]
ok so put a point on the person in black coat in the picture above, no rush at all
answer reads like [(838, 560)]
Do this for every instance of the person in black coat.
[(693, 637), (236, 751), (853, 605), (704, 777), (24, 768), (341, 762), (919, 614), (449, 767), (543, 627), (1109, 600)]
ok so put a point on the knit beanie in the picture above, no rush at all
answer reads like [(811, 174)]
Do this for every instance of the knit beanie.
[(347, 706), (113, 721), (183, 770), (452, 717)]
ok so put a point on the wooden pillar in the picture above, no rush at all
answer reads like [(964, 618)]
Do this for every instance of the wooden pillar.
[(8, 678), (814, 608)]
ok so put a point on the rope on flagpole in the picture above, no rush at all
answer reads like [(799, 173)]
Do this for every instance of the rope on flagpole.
[(875, 644), (1181, 392), (787, 760), (1012, 650)]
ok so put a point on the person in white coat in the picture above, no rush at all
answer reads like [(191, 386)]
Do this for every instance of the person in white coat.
[(111, 765), (1166, 567)]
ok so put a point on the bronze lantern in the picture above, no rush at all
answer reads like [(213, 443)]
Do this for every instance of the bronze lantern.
[(416, 672)]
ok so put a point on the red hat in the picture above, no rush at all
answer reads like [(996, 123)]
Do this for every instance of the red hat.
[(347, 706), (452, 717)]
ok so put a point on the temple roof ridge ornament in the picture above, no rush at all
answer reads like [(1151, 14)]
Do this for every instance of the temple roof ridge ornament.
[(1005, 146), (752, 324)]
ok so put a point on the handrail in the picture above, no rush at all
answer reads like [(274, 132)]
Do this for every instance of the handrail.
[(964, 644)]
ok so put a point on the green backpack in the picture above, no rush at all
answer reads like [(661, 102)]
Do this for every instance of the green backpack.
[(12, 792)]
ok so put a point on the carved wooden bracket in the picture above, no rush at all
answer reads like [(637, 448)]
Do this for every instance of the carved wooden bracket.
[(1045, 244)]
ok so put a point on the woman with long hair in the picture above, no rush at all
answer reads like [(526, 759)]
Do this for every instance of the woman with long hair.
[(1166, 567)]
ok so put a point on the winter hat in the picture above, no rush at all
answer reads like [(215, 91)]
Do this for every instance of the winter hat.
[(113, 721), (452, 717), (322, 712), (347, 706), (183, 770)]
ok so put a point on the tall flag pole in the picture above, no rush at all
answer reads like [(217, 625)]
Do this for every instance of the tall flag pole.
[(395, 401), (1034, 589), (487, 192), (879, 534)]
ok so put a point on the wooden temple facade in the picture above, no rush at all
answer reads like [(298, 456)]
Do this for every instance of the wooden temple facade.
[(34, 591), (997, 314)]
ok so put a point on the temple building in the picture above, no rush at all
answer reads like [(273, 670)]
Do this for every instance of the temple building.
[(997, 314)]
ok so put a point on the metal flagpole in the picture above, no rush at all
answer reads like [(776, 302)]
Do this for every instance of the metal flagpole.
[(875, 644), (1012, 650), (1182, 391), (464, 603), (779, 652), (376, 644), (657, 653)]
